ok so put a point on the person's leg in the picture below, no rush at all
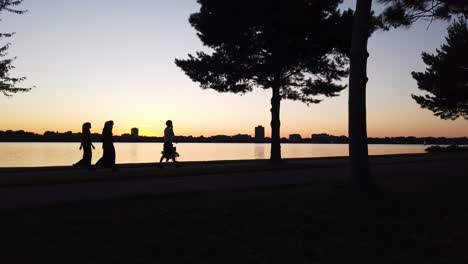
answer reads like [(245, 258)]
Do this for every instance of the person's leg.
[(87, 156), (167, 148), (85, 162), (108, 158), (177, 164), (98, 163), (160, 161), (78, 163), (104, 160), (165, 153), (82, 161), (112, 155)]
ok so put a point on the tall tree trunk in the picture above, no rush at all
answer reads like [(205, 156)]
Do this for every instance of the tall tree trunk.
[(358, 152), (275, 155)]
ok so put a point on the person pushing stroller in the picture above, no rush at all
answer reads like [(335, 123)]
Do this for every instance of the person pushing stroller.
[(169, 151)]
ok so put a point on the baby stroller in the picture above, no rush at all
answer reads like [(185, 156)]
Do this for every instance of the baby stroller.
[(169, 153)]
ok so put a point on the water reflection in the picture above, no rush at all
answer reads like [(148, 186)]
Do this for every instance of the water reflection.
[(54, 154), (133, 152), (259, 151)]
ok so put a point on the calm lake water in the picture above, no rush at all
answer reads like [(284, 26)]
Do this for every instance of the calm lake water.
[(53, 154)]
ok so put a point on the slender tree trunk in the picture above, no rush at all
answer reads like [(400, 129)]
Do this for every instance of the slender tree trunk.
[(275, 155), (358, 153)]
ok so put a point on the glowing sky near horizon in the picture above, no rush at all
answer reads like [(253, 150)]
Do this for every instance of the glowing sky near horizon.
[(114, 59)]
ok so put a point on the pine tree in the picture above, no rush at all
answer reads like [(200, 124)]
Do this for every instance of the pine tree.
[(8, 84), (397, 13), (446, 77), (406, 12), (295, 48)]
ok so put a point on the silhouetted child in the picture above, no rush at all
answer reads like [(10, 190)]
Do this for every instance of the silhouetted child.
[(86, 145), (108, 156), (169, 152)]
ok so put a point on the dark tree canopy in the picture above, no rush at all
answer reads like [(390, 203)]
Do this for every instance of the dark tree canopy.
[(446, 77), (9, 6), (8, 84), (297, 45), (405, 12), (296, 48)]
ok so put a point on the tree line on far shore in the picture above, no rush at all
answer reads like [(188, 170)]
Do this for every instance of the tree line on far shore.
[(323, 138)]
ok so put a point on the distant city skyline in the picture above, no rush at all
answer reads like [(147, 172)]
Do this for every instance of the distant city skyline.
[(259, 133), (323, 138), (256, 136), (134, 132), (114, 60)]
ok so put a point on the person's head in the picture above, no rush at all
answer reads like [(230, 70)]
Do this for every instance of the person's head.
[(86, 127), (169, 123), (108, 127)]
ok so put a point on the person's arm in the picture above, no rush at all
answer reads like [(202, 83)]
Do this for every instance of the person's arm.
[(82, 142), (90, 141)]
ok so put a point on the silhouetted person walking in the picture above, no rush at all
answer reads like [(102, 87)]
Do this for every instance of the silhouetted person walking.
[(86, 145), (108, 156), (169, 152)]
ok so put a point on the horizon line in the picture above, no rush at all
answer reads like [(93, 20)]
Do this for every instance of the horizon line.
[(238, 134)]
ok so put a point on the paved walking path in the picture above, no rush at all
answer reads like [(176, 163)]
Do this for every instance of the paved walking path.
[(32, 196), (25, 188)]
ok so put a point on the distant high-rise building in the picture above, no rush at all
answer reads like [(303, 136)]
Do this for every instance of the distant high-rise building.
[(134, 132), (295, 138), (259, 134)]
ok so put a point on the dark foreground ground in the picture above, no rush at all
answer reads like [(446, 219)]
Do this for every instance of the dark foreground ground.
[(419, 216)]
